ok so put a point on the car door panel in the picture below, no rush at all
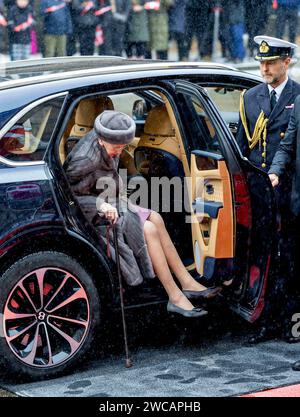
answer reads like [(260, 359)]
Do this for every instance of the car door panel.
[(236, 242), (212, 213)]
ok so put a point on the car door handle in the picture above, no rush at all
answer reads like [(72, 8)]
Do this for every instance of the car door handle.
[(210, 189), (211, 208)]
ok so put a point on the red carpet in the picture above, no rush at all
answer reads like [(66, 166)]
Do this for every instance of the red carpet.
[(290, 391)]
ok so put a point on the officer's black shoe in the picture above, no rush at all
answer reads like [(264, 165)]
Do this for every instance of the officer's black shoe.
[(287, 334), (296, 366), (289, 338), (292, 339), (262, 335)]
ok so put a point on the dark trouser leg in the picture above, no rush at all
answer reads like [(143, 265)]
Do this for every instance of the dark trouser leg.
[(249, 17), (162, 55), (237, 46), (280, 21), (86, 39), (282, 290), (292, 18), (71, 44), (141, 49), (10, 43), (118, 33), (192, 23), (181, 47), (292, 270), (107, 47), (148, 53), (182, 52), (205, 32), (223, 36), (203, 28), (131, 46), (136, 48), (256, 20)]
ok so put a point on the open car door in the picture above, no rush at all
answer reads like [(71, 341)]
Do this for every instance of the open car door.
[(233, 211), (212, 217)]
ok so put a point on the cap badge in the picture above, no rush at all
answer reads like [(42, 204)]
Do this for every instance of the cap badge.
[(264, 48)]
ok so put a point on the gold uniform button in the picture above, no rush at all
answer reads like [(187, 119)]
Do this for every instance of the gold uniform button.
[(263, 154), (282, 135), (263, 165)]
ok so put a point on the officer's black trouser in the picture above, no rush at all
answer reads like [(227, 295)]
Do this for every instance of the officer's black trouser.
[(289, 16), (282, 297)]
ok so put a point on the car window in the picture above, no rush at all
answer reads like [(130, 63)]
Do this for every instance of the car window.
[(135, 105), (203, 134), (28, 138), (227, 100), (125, 102)]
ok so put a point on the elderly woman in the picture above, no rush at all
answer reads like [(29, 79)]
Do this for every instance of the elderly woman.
[(93, 161)]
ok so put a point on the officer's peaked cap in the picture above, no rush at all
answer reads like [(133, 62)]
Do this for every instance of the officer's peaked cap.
[(273, 48)]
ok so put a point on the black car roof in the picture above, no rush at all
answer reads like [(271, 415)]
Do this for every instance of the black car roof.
[(76, 63), (23, 82), (18, 73)]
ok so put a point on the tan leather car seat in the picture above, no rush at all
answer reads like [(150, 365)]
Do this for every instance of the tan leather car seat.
[(85, 115), (158, 134)]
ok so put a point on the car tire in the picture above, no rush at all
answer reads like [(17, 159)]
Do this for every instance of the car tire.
[(50, 312)]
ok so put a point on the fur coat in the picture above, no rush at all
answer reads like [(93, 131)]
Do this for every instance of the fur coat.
[(89, 169)]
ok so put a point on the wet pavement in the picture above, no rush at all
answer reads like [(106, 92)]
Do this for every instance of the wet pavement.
[(177, 358)]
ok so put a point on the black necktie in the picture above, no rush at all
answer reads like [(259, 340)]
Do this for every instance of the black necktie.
[(273, 100)]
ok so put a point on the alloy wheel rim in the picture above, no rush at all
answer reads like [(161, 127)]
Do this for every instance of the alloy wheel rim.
[(46, 317)]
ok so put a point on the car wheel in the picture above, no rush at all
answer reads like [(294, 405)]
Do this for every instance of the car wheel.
[(50, 311)]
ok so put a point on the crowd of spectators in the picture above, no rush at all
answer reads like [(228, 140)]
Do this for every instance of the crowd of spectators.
[(140, 28)]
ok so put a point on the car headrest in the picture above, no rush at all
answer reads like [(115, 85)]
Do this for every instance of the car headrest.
[(158, 122), (159, 132), (86, 113)]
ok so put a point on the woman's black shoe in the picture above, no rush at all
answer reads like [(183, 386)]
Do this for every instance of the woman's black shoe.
[(205, 294), (196, 312), (288, 336)]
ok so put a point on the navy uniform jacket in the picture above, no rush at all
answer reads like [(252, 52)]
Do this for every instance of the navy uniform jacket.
[(257, 99)]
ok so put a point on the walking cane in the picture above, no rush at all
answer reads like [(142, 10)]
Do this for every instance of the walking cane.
[(128, 362)]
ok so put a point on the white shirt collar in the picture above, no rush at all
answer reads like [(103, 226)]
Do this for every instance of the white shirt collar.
[(278, 89)]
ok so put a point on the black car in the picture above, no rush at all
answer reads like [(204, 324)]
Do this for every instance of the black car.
[(57, 281)]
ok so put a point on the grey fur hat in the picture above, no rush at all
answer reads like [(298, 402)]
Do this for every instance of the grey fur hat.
[(115, 127)]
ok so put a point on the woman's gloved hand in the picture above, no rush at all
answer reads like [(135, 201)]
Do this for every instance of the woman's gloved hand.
[(109, 212)]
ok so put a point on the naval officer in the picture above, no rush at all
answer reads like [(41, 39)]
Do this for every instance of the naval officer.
[(264, 116)]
